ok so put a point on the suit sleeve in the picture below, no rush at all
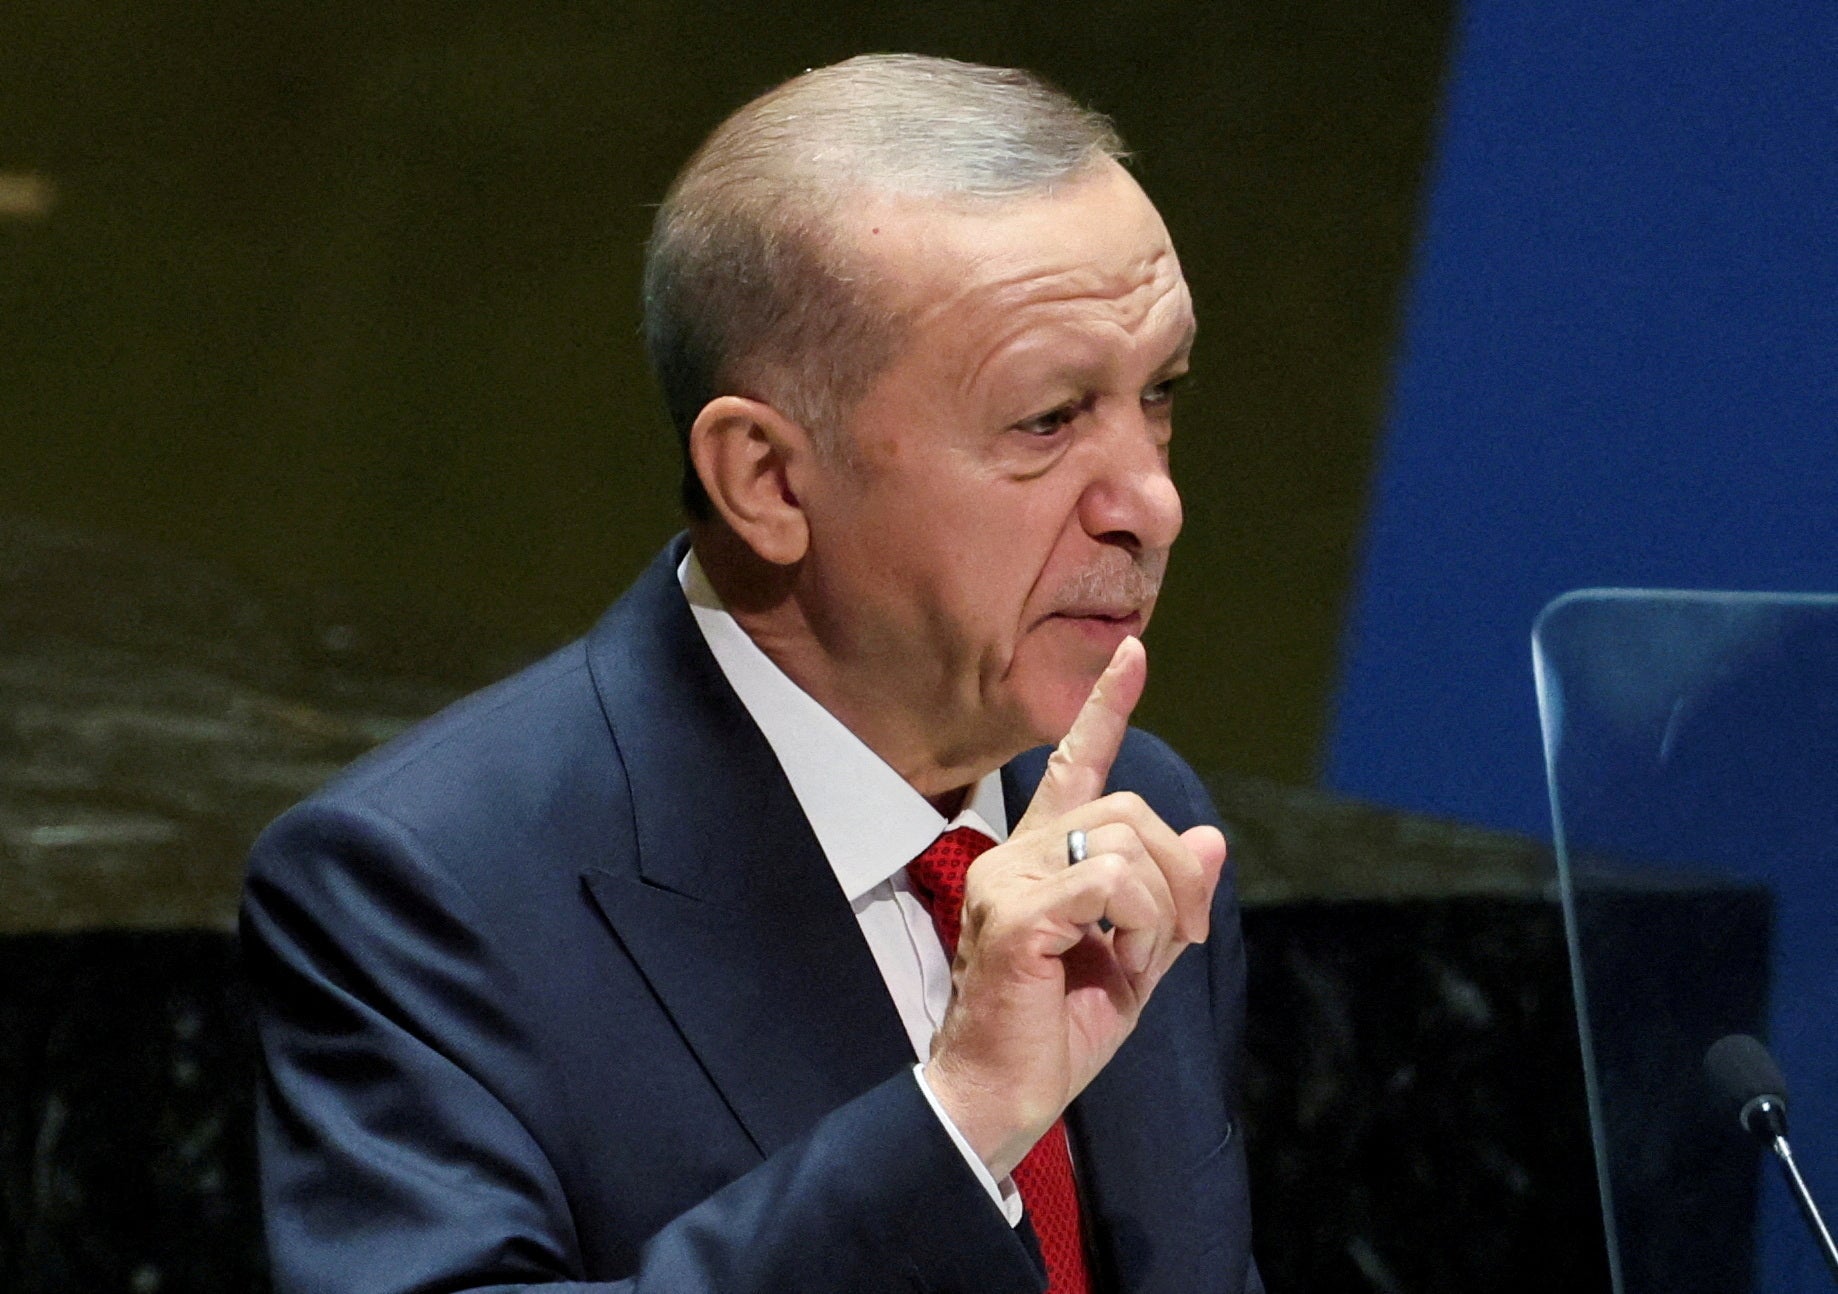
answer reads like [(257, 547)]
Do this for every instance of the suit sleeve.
[(395, 1057)]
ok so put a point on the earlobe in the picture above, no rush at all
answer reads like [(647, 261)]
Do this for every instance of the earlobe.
[(743, 451)]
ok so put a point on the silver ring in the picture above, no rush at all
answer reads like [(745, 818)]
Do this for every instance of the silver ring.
[(1075, 848)]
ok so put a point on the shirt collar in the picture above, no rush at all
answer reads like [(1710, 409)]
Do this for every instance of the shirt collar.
[(869, 821)]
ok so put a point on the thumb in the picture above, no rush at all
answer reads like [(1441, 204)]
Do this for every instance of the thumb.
[(1209, 847), (1081, 764)]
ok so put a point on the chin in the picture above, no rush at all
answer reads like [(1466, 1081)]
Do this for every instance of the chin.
[(1050, 704), (1055, 672)]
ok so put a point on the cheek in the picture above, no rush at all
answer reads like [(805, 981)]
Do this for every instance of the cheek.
[(980, 559), (1014, 573)]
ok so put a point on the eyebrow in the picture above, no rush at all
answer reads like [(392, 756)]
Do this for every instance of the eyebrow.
[(1183, 349), (1080, 375)]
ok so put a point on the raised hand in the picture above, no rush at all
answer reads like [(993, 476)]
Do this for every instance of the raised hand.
[(1041, 998)]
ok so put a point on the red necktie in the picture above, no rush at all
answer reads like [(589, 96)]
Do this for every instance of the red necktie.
[(1044, 1177)]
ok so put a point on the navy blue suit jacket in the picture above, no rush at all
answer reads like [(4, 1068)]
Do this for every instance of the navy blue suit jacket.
[(559, 988)]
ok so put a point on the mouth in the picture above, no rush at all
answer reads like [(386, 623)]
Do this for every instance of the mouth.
[(1110, 599), (1103, 624)]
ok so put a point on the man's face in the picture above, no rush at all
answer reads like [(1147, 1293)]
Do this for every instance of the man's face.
[(1006, 511)]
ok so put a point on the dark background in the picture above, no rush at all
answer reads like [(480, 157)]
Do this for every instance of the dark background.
[(343, 297)]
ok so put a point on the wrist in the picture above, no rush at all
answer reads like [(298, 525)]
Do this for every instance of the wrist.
[(996, 1127)]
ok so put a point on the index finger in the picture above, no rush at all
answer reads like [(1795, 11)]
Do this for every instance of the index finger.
[(1080, 765)]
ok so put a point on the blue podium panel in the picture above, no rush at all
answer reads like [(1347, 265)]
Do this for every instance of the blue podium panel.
[(1691, 745)]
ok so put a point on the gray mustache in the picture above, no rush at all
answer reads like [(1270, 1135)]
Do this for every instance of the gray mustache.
[(1125, 580)]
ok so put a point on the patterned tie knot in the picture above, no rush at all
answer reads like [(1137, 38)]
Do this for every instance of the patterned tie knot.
[(937, 877)]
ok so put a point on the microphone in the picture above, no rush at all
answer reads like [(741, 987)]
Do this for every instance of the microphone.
[(1746, 1076), (1748, 1080)]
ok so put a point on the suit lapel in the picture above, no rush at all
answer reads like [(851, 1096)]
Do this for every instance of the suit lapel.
[(732, 913)]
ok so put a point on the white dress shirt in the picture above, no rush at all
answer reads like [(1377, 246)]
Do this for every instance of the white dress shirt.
[(870, 823)]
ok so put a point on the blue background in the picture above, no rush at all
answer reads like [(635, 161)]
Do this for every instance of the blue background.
[(1619, 367)]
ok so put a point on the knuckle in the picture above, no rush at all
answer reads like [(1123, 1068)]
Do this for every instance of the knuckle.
[(1112, 868), (1132, 804), (1125, 807)]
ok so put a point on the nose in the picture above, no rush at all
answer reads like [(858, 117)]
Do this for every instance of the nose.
[(1130, 500)]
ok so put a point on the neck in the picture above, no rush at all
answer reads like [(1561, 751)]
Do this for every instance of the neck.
[(951, 803), (764, 600)]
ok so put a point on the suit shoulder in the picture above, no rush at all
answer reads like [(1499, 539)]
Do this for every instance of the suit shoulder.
[(505, 763), (1146, 765), (1150, 766), (1146, 755), (497, 718)]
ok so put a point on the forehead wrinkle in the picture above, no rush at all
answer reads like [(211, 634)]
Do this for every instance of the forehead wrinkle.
[(1019, 324), (969, 284), (1037, 287)]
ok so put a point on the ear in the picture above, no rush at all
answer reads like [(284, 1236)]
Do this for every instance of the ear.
[(746, 454)]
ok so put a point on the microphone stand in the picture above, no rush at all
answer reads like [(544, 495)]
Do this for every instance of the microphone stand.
[(1808, 1209)]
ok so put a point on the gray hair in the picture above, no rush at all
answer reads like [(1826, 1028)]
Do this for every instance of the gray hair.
[(748, 288)]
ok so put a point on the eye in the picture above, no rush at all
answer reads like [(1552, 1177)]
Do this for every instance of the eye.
[(1161, 395), (1054, 420)]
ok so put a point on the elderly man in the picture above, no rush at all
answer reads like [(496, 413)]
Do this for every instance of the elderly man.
[(664, 964)]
